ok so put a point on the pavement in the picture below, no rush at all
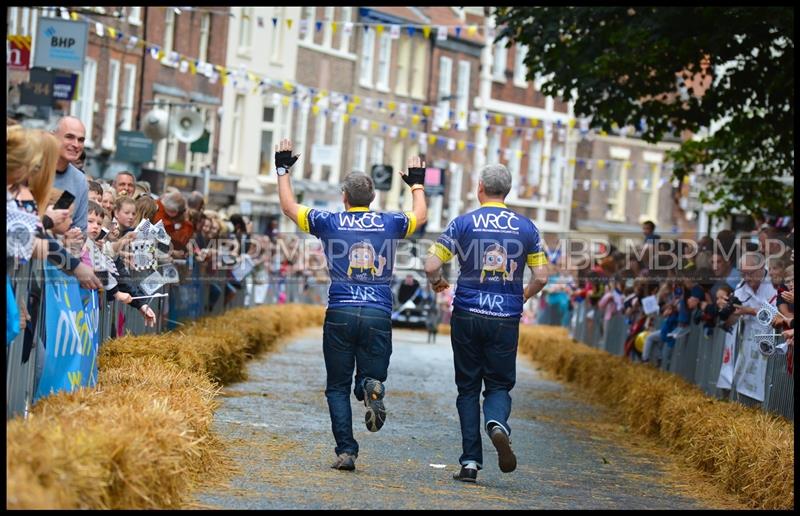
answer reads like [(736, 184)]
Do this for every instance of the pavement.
[(277, 430)]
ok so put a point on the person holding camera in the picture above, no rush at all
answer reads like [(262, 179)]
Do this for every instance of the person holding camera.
[(359, 246)]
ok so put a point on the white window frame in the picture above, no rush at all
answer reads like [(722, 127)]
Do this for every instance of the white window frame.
[(110, 124), (83, 107), (444, 90), (337, 138), (515, 166), (403, 66), (277, 38), (198, 160), (237, 129), (205, 31), (535, 164), (558, 153), (499, 61), (652, 161), (360, 154), (376, 152), (320, 132), (462, 94), (308, 14), (13, 22), (492, 145), (418, 78), (521, 51), (26, 21), (129, 94), (135, 15), (169, 32), (301, 132), (367, 63), (246, 31), (270, 127), (384, 62), (327, 32), (344, 41)]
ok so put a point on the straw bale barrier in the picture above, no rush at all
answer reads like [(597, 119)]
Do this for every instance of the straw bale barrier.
[(142, 438), (746, 450)]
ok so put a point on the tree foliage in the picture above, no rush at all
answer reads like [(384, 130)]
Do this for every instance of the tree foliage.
[(627, 66)]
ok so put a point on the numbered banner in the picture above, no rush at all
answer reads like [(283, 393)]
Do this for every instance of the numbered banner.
[(750, 369), (71, 335)]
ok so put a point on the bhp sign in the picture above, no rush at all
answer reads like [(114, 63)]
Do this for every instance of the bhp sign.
[(60, 44), (18, 52)]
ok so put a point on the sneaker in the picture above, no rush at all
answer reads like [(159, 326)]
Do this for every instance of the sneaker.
[(505, 457), (678, 332), (466, 474), (373, 400), (345, 461)]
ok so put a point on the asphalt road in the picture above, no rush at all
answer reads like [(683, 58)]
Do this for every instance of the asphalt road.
[(277, 428)]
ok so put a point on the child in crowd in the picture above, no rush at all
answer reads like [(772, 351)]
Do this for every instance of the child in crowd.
[(108, 199), (125, 214), (95, 191)]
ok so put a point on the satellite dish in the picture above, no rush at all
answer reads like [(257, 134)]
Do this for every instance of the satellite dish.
[(155, 124), (187, 126)]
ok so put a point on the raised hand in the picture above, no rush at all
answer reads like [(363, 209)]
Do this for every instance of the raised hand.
[(416, 172), (283, 154)]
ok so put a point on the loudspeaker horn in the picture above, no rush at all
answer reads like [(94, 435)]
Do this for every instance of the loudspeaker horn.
[(187, 125), (155, 124)]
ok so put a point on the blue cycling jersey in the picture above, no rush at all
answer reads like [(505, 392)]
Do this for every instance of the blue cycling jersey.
[(359, 247), (493, 245)]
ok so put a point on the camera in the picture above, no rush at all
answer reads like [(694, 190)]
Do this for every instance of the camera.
[(726, 311)]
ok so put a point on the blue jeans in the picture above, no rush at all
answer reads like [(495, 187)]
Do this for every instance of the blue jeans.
[(359, 337), (484, 352)]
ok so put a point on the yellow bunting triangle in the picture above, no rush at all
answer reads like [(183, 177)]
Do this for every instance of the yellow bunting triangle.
[(498, 119), (534, 122), (379, 29), (285, 101), (595, 183), (289, 22), (601, 163), (392, 104), (356, 100), (472, 29), (192, 68), (373, 126), (403, 132), (315, 109), (571, 123), (461, 144), (333, 26), (345, 118), (287, 86), (74, 16), (519, 153), (112, 32), (415, 119), (432, 139), (426, 31), (426, 110), (508, 131), (540, 133)]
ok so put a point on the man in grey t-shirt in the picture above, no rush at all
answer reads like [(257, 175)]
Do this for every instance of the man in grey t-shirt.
[(72, 135)]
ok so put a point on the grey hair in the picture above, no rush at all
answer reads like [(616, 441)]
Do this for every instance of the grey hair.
[(125, 173), (173, 201), (496, 180), (358, 188), (57, 124)]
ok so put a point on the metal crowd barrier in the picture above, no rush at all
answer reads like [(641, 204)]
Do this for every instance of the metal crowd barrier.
[(694, 357), (195, 295)]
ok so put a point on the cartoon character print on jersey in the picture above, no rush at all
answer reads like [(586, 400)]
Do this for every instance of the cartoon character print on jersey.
[(362, 262), (495, 260)]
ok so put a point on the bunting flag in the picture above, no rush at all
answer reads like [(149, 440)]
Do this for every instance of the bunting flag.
[(289, 23), (333, 27), (426, 31)]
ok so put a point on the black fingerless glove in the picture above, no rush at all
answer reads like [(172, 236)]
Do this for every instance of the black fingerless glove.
[(415, 176), (284, 159)]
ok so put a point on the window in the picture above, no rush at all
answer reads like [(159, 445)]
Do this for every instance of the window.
[(320, 125), (169, 31), (617, 185), (360, 154), (198, 160), (301, 133), (327, 32), (456, 195), (336, 140), (535, 166), (245, 24), (367, 49), (267, 146), (519, 66), (205, 28), (376, 157), (344, 42), (110, 124), (308, 16), (557, 173), (514, 166), (22, 21), (83, 106), (236, 133), (462, 95), (649, 190), (418, 79), (135, 15), (277, 38), (403, 57), (11, 24), (384, 61), (445, 79), (499, 62), (492, 147), (128, 94)]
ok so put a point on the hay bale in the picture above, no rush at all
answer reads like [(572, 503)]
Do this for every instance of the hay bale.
[(142, 438), (749, 452)]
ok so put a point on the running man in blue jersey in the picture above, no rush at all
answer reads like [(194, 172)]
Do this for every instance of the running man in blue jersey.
[(359, 246), (493, 245)]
